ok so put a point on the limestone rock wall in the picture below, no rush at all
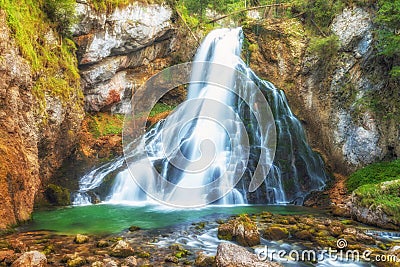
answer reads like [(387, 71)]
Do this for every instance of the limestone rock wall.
[(31, 148), (117, 51), (335, 98)]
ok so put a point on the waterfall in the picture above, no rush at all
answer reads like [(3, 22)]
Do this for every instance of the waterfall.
[(180, 147)]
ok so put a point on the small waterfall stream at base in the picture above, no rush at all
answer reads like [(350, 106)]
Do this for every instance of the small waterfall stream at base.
[(296, 169)]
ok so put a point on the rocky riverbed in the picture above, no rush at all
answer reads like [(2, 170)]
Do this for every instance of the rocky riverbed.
[(196, 244)]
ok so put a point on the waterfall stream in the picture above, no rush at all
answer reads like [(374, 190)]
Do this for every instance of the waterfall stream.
[(289, 172)]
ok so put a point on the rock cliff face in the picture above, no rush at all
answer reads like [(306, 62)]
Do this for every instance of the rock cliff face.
[(336, 96), (119, 50), (33, 142)]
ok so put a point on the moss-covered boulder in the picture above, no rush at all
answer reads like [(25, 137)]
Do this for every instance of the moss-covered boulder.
[(276, 233), (242, 230), (377, 204), (57, 195), (202, 260), (121, 249), (81, 239)]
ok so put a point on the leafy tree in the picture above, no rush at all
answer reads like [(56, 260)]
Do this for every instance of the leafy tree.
[(61, 13), (389, 35)]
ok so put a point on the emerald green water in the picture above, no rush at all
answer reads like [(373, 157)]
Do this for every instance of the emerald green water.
[(107, 219)]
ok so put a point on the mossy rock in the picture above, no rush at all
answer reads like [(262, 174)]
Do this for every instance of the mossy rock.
[(303, 235), (81, 239), (57, 195), (242, 230), (200, 225), (203, 260), (102, 244), (78, 261), (143, 254), (171, 258), (134, 228), (276, 233)]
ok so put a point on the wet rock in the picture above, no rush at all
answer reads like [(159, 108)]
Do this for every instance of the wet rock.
[(231, 255), (202, 260), (374, 214), (171, 258), (17, 245), (276, 233), (143, 255), (57, 195), (130, 261), (111, 263), (121, 249), (176, 247), (340, 211), (134, 228), (31, 259), (81, 239), (102, 244), (303, 235), (242, 230), (7, 256), (76, 261)]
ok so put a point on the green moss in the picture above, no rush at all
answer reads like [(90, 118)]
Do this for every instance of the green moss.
[(385, 196), (48, 249), (143, 255), (53, 62), (227, 236), (200, 225), (103, 124), (325, 47), (57, 195), (374, 174), (160, 108), (110, 5)]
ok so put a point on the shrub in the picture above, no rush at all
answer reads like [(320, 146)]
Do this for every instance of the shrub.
[(324, 47), (388, 20), (62, 14), (374, 174)]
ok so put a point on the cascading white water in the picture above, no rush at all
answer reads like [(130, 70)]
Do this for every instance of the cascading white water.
[(296, 170)]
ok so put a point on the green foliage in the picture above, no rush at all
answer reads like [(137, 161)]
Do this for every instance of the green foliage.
[(389, 34), (110, 5), (160, 108), (324, 47), (318, 13), (62, 14), (103, 124), (374, 174), (53, 62), (384, 195), (57, 195)]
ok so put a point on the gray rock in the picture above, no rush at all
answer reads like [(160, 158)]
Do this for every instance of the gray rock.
[(112, 44), (231, 255), (360, 143), (130, 261), (31, 259), (121, 249), (352, 26)]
